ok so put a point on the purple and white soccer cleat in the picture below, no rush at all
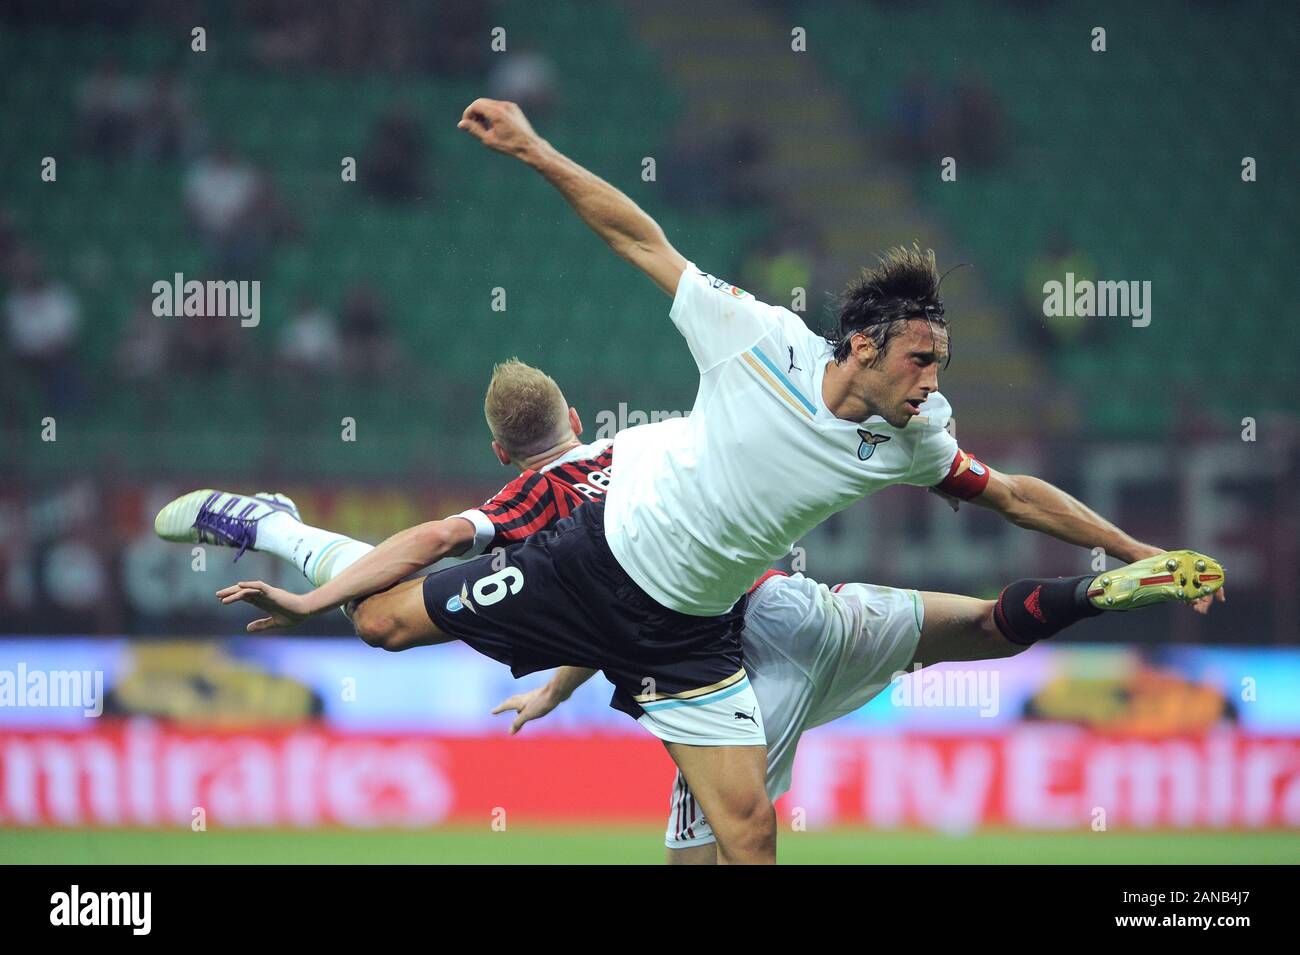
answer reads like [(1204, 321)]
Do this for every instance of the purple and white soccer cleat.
[(220, 517)]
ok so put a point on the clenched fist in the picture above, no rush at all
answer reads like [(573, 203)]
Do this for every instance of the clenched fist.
[(499, 125)]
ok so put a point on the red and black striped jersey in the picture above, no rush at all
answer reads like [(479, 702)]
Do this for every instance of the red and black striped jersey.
[(537, 499)]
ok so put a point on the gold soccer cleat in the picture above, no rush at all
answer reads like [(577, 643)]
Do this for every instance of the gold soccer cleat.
[(1174, 575)]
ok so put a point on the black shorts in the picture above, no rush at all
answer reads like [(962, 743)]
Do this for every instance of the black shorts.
[(561, 598)]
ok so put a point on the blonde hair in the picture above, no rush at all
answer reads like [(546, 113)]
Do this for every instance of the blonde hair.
[(525, 409)]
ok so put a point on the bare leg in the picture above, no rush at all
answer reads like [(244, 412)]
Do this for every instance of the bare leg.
[(960, 628), (396, 619), (729, 783), (706, 854)]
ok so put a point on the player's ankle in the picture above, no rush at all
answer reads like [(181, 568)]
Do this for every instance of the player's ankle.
[(1034, 609)]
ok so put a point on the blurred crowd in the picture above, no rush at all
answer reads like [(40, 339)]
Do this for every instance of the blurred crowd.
[(928, 121), (240, 217), (43, 323), (232, 205)]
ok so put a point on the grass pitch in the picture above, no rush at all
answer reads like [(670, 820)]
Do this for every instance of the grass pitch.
[(631, 845)]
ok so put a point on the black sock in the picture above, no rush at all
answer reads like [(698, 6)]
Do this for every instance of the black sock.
[(1031, 610)]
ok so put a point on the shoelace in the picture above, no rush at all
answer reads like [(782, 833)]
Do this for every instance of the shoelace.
[(222, 527)]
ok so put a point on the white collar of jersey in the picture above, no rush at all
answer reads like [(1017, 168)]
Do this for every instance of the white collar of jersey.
[(579, 453)]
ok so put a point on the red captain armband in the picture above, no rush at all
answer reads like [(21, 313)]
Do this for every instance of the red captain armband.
[(967, 478)]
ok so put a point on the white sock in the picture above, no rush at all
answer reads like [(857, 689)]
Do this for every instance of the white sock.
[(319, 554)]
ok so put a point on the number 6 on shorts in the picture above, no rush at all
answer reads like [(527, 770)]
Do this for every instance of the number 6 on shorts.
[(496, 587)]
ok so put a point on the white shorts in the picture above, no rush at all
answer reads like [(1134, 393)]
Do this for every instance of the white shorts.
[(813, 654), (726, 714)]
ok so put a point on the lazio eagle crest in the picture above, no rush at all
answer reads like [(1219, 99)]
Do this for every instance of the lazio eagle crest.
[(869, 441)]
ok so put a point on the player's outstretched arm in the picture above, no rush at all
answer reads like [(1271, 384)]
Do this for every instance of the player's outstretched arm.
[(396, 558), (614, 217), (534, 704), (1034, 504)]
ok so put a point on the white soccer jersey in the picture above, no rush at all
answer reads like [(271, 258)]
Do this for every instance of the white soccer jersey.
[(813, 654), (699, 507)]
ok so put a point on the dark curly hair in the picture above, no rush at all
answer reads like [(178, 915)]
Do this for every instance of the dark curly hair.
[(904, 286)]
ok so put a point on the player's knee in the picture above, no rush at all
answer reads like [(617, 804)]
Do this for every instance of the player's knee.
[(761, 824), (750, 826), (375, 626), (761, 818), (752, 832)]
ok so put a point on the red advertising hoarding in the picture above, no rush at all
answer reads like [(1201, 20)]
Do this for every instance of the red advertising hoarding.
[(140, 773)]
